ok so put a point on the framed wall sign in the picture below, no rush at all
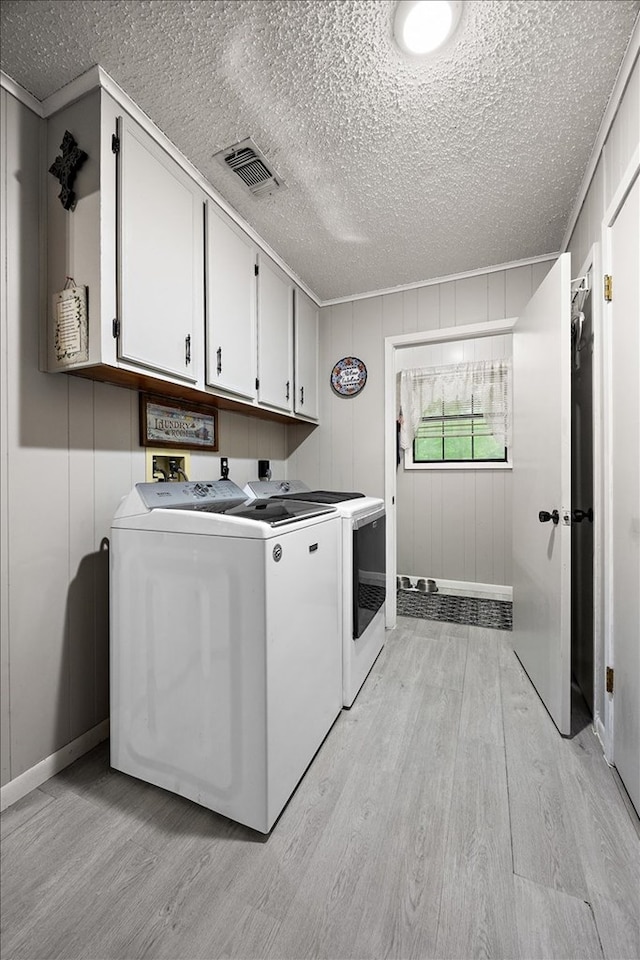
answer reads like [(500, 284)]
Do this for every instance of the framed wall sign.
[(172, 423), (348, 377)]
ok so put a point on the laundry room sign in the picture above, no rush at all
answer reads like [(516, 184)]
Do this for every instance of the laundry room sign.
[(170, 423)]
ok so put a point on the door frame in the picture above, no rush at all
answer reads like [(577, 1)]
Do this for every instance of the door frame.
[(593, 265), (607, 313), (470, 331)]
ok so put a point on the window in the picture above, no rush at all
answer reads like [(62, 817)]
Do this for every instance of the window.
[(456, 414), (455, 432)]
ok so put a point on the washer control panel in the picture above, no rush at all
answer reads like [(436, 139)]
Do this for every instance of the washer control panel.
[(224, 493), (274, 488)]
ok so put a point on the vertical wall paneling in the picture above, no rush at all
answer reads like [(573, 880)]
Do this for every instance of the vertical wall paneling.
[(472, 300), (496, 293), (82, 575), (244, 441), (343, 448), (623, 137), (37, 480), (447, 304), (368, 467), (429, 307), (392, 315), (410, 318), (5, 722)]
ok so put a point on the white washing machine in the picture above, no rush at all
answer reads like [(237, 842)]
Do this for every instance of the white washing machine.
[(362, 576), (226, 652)]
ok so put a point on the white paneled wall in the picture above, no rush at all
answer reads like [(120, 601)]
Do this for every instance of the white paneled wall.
[(69, 452), (451, 524)]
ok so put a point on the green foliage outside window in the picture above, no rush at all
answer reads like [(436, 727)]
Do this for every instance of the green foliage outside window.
[(453, 432)]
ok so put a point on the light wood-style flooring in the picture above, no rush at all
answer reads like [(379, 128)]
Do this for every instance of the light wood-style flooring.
[(442, 817)]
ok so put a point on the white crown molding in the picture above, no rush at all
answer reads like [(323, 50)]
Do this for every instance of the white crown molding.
[(8, 84), (625, 71), (72, 91), (448, 279)]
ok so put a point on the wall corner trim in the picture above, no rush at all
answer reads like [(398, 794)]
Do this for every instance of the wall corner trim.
[(47, 768), (26, 98)]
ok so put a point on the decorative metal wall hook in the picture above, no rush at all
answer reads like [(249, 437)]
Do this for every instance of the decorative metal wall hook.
[(65, 167)]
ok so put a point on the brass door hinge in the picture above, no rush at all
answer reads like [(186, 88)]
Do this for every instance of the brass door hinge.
[(608, 287), (609, 680)]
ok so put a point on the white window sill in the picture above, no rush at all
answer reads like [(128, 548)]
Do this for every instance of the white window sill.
[(467, 465)]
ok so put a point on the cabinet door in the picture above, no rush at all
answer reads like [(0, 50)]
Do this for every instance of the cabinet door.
[(160, 257), (306, 355), (231, 306), (275, 337)]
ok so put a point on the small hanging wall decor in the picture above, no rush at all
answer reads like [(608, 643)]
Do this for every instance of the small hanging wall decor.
[(348, 377), (65, 167), (70, 323)]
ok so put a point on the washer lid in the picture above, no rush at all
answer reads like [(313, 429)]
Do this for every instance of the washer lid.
[(324, 496), (277, 512)]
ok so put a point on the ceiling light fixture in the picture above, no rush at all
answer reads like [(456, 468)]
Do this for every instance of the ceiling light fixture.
[(423, 26)]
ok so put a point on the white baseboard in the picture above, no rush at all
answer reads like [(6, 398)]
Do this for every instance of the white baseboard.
[(601, 734), (47, 768), (468, 588)]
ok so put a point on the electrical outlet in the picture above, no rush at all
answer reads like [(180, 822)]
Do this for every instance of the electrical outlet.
[(224, 468)]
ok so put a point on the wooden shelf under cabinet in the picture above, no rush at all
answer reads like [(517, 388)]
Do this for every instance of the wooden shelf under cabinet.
[(177, 391)]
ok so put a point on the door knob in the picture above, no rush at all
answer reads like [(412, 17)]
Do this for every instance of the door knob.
[(544, 516), (579, 515)]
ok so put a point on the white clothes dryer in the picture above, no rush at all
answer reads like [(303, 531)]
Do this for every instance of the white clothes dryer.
[(362, 575), (226, 660)]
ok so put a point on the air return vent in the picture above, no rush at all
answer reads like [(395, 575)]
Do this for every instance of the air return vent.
[(249, 163)]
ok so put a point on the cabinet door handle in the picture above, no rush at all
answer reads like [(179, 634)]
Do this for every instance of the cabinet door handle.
[(187, 349), (219, 355), (301, 396), (288, 389)]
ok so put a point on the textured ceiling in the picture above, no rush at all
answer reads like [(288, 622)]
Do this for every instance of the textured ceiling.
[(396, 171)]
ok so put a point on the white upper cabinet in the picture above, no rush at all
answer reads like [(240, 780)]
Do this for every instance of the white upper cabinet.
[(160, 257), (306, 356), (134, 238), (231, 306), (275, 336), (163, 313)]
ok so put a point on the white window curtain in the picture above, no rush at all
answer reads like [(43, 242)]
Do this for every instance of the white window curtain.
[(487, 381)]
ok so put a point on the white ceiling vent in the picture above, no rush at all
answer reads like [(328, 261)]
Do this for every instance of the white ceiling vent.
[(249, 163)]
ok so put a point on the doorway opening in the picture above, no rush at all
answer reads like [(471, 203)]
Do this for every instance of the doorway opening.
[(582, 547), (395, 347)]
